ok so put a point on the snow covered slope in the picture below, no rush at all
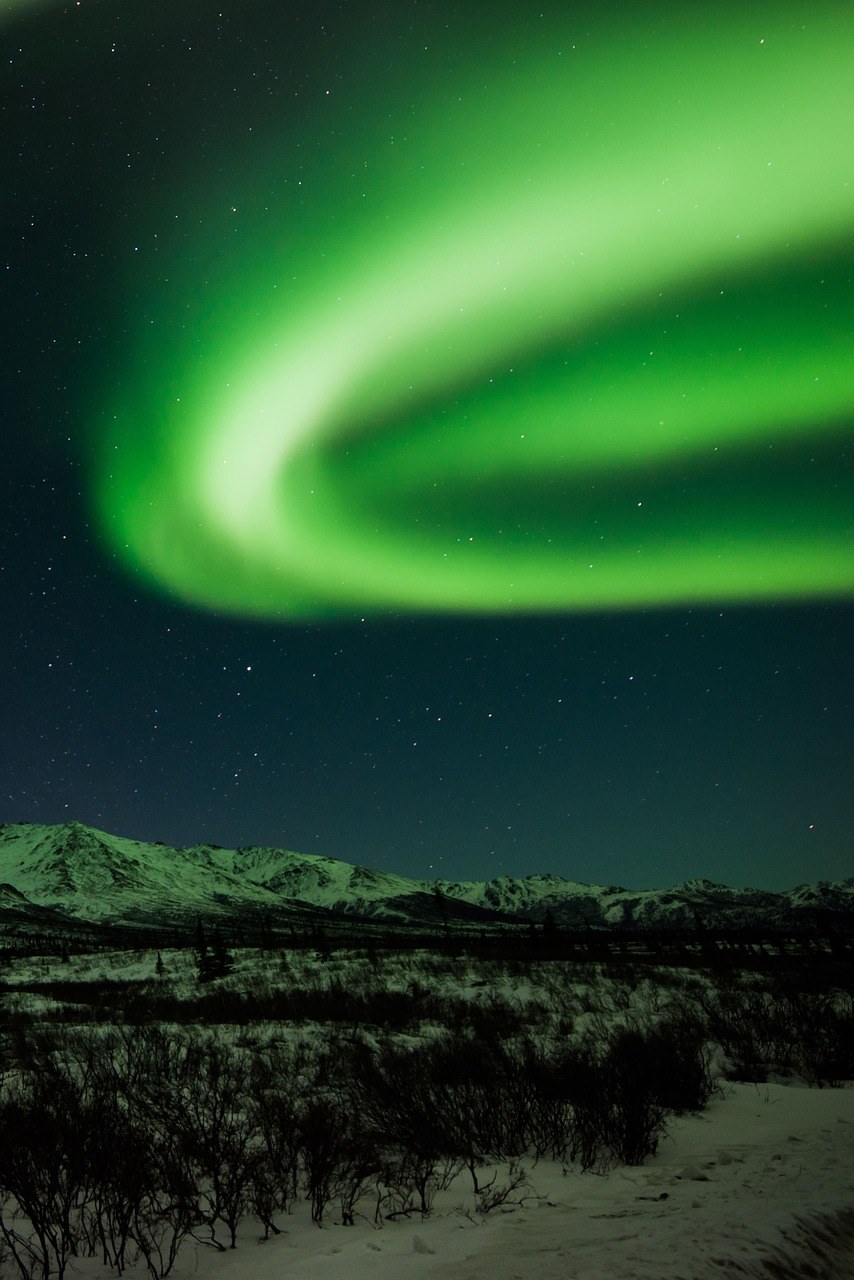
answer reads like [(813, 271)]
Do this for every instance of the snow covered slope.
[(100, 877), (94, 876), (575, 905)]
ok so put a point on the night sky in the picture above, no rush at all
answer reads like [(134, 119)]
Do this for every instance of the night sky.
[(429, 432)]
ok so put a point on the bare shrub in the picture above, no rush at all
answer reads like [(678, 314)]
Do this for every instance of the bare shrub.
[(338, 1158), (738, 1020), (120, 1174), (819, 1028), (42, 1173), (273, 1088), (169, 1210), (219, 1133), (394, 1092), (635, 1119), (497, 1194), (480, 1111), (548, 1109), (676, 1058), (586, 1094), (409, 1184), (780, 1025)]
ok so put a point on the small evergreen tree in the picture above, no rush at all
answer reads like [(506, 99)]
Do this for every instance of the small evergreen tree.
[(320, 942), (442, 907), (551, 933), (215, 961), (220, 956)]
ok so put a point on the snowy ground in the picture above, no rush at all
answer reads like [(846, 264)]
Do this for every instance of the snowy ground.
[(723, 1192)]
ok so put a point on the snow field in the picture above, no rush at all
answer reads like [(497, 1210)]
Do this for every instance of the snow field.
[(723, 1190)]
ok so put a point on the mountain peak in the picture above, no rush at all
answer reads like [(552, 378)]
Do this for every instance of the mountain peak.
[(95, 876)]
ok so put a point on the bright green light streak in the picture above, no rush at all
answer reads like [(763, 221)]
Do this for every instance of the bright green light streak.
[(474, 334)]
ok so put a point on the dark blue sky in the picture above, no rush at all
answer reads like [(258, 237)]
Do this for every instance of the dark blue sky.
[(637, 748)]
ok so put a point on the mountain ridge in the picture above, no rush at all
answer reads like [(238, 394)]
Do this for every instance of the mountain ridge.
[(94, 876)]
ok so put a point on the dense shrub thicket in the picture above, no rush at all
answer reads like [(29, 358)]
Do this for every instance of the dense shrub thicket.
[(781, 1028), (120, 1143)]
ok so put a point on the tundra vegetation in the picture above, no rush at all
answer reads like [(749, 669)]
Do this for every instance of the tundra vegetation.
[(148, 1098)]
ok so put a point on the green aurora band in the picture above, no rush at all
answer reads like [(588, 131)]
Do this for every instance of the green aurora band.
[(580, 340)]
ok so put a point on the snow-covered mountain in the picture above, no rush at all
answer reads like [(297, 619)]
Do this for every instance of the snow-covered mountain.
[(93, 876), (574, 905)]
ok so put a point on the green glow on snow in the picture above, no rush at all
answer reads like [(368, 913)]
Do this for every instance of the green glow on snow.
[(580, 339)]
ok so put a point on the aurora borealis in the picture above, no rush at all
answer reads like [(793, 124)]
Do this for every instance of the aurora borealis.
[(430, 432), (554, 373)]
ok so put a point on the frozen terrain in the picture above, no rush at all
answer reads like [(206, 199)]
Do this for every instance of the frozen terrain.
[(94, 876), (764, 1173), (725, 1191)]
